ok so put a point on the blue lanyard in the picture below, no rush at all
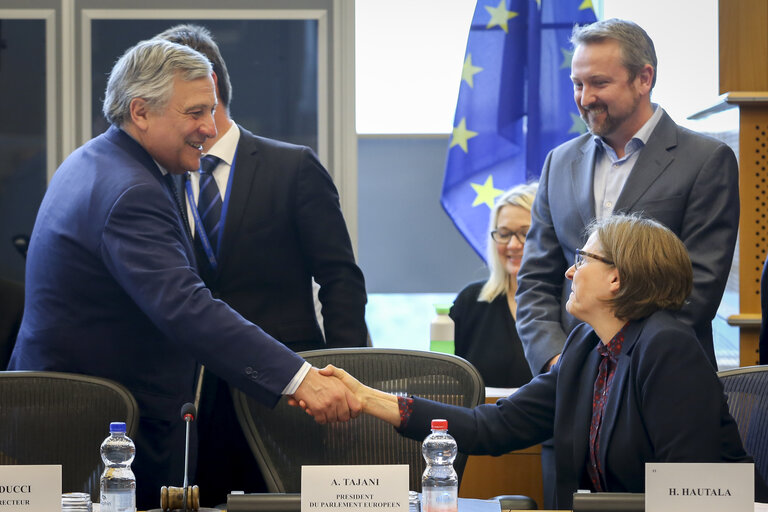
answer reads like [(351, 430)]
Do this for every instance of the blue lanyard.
[(199, 228)]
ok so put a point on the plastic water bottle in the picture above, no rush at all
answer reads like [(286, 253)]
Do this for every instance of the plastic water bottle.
[(439, 484), (118, 483), (441, 331)]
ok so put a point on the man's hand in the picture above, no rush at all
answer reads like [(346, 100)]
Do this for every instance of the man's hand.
[(326, 398)]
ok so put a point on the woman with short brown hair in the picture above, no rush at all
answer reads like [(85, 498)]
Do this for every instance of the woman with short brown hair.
[(633, 384)]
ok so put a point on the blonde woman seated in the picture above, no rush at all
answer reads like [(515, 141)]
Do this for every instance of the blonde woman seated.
[(632, 386), (485, 312)]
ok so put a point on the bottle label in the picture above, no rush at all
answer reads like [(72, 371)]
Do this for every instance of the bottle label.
[(118, 501), (440, 499), (446, 347)]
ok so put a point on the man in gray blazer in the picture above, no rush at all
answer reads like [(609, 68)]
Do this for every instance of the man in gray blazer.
[(635, 159)]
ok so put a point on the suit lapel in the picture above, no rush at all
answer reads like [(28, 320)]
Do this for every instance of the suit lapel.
[(175, 184), (582, 409), (616, 397), (582, 176), (168, 182), (653, 160), (246, 167), (179, 183)]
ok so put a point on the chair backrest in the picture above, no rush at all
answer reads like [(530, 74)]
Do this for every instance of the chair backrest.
[(285, 438), (747, 392), (61, 418)]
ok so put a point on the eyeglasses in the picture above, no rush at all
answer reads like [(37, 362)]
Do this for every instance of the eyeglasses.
[(579, 260), (503, 237)]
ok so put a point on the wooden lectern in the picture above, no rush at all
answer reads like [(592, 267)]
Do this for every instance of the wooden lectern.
[(743, 31)]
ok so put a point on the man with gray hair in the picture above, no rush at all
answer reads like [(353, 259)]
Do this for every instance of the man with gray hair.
[(283, 228), (635, 159), (111, 284)]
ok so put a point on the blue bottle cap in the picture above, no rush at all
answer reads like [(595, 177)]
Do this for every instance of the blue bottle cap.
[(117, 426)]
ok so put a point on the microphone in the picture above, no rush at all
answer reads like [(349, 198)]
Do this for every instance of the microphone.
[(21, 243), (186, 498), (188, 413)]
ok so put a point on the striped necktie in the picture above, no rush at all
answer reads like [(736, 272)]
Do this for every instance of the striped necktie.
[(209, 200)]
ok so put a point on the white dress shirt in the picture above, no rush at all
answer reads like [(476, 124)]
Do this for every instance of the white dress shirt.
[(611, 172), (224, 148)]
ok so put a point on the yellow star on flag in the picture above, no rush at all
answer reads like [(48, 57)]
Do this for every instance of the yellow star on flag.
[(468, 71), (461, 135), (486, 193), (500, 15), (567, 58), (578, 126), (587, 4)]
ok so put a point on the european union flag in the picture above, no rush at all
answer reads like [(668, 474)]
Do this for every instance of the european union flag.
[(515, 104)]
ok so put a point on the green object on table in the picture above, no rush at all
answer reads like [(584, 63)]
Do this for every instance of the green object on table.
[(441, 331), (446, 347)]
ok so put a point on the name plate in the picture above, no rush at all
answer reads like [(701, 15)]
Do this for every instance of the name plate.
[(348, 488), (699, 487), (30, 488)]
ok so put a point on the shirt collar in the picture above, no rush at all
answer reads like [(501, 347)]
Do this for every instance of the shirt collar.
[(162, 169), (225, 147), (613, 348), (640, 138)]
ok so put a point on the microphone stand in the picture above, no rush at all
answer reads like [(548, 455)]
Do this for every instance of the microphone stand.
[(188, 415)]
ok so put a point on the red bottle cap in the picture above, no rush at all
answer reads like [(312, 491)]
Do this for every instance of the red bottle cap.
[(439, 424)]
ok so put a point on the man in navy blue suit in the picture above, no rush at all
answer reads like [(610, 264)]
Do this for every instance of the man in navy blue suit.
[(111, 282), (283, 227)]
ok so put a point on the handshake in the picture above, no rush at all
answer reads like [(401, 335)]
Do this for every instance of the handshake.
[(331, 394)]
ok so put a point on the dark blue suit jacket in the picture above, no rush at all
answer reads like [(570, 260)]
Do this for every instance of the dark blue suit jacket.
[(284, 226), (666, 405), (686, 181), (112, 290)]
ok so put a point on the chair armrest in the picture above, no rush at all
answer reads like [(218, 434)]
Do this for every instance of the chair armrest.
[(516, 502), (608, 501)]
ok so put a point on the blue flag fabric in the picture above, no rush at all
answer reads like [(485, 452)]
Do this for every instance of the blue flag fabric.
[(515, 104)]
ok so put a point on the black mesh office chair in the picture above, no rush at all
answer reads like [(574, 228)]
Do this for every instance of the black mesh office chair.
[(285, 438), (61, 418), (747, 392)]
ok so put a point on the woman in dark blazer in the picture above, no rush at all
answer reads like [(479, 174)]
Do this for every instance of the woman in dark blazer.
[(633, 384), (485, 312)]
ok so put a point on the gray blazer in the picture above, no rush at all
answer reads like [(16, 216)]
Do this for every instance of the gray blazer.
[(685, 180)]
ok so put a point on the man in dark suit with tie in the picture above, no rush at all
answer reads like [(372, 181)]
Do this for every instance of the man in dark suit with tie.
[(111, 284), (635, 159), (282, 227)]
